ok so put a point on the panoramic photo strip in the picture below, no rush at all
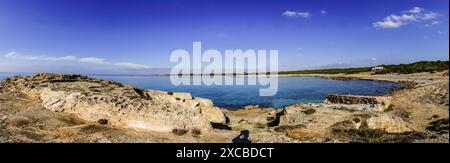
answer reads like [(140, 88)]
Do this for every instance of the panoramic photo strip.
[(224, 72)]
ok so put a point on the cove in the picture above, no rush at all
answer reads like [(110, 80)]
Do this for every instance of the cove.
[(292, 90)]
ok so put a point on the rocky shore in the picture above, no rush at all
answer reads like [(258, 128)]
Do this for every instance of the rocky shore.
[(75, 108)]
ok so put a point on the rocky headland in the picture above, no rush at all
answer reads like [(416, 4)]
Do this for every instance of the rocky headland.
[(75, 108)]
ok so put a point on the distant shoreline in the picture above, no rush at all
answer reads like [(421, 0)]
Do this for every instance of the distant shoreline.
[(347, 73)]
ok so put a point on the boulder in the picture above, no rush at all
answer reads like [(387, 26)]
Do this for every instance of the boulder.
[(213, 114), (292, 116), (182, 95), (251, 116), (203, 102), (190, 103), (298, 114), (387, 123)]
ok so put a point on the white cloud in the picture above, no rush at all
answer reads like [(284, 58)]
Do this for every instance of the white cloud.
[(304, 14), (16, 55), (65, 58), (323, 11), (414, 10), (429, 16), (414, 15), (433, 23), (388, 23), (12, 55), (93, 60), (132, 65), (373, 59), (290, 13), (299, 48)]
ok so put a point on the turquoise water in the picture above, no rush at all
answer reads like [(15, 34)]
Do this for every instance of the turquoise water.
[(291, 90)]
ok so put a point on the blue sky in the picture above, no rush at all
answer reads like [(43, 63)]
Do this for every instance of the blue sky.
[(137, 36)]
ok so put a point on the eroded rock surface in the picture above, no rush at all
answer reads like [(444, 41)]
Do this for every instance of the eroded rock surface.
[(377, 103), (123, 106), (324, 120), (74, 108), (387, 123)]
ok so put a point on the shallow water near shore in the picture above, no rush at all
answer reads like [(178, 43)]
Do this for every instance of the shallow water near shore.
[(291, 89)]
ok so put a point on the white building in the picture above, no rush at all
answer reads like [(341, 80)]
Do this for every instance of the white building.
[(376, 69)]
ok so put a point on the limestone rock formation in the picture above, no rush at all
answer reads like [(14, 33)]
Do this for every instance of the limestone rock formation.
[(377, 103), (181, 95), (325, 118), (293, 115), (387, 123), (213, 114), (251, 117), (203, 102), (123, 106)]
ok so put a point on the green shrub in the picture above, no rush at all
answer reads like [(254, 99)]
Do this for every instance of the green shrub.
[(309, 111), (103, 121), (260, 126), (422, 66), (329, 71), (196, 132), (179, 132), (378, 136), (390, 108), (286, 128), (129, 87), (439, 126), (416, 67)]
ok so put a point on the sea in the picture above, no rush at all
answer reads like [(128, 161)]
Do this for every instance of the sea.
[(291, 89)]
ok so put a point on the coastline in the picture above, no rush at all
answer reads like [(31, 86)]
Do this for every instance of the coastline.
[(415, 77), (410, 111)]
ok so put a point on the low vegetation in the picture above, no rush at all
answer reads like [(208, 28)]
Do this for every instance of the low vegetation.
[(179, 132), (310, 111), (287, 128), (378, 136), (416, 67), (439, 126), (328, 71), (103, 121), (390, 108)]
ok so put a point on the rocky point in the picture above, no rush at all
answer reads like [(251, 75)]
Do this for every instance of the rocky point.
[(121, 105)]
